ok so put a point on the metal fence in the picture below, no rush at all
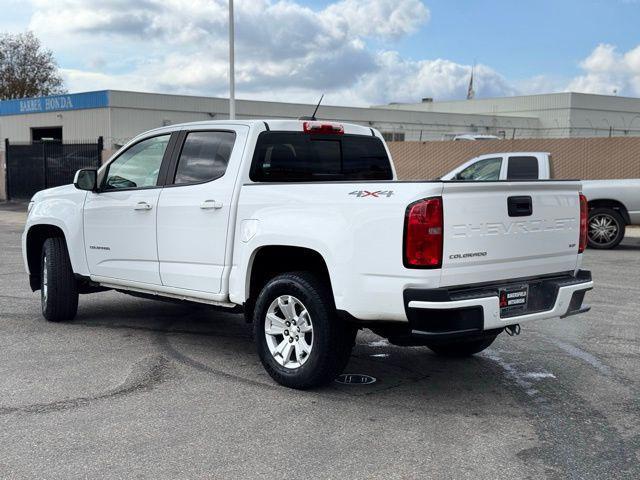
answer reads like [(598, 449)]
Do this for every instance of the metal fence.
[(35, 166)]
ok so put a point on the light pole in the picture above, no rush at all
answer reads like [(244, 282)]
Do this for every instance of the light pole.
[(232, 73)]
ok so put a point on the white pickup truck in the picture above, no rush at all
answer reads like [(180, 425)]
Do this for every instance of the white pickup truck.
[(304, 228), (613, 204)]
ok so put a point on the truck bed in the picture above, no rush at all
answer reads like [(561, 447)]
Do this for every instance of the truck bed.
[(359, 228)]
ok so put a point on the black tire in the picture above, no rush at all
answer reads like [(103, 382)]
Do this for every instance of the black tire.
[(332, 338), (596, 237), (58, 287), (462, 348)]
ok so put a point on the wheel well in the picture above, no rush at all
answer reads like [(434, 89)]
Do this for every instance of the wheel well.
[(612, 204), (35, 240), (274, 260)]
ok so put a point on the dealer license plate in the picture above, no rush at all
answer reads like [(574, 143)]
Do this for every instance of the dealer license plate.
[(513, 300)]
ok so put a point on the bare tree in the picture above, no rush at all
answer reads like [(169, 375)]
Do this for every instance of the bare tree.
[(27, 69)]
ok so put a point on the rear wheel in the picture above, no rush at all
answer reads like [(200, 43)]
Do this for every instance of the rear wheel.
[(300, 340), (606, 228), (462, 348), (58, 288)]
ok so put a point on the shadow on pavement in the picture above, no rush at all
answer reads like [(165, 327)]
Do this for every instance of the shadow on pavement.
[(221, 344)]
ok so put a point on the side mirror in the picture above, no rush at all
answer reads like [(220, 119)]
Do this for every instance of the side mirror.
[(86, 179)]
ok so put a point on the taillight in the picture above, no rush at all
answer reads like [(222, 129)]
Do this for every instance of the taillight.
[(584, 218), (323, 128), (423, 234)]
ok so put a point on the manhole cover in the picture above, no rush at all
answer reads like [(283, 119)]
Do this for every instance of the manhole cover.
[(355, 379)]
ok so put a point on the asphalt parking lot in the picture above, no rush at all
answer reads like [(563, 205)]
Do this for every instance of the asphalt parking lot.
[(141, 389)]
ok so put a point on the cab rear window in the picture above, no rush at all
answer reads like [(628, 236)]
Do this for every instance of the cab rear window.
[(300, 157), (522, 168)]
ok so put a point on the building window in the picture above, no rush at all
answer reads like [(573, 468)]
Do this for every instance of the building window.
[(393, 136), (46, 133)]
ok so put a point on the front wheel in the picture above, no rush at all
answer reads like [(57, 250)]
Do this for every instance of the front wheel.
[(462, 348), (300, 340), (58, 288), (606, 228)]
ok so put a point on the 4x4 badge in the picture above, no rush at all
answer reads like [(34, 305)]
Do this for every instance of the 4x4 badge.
[(376, 194)]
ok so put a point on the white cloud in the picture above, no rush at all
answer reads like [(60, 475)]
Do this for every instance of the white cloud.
[(389, 18), (84, 81), (397, 79), (606, 70), (285, 51)]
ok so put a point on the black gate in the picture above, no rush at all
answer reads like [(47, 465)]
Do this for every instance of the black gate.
[(35, 166)]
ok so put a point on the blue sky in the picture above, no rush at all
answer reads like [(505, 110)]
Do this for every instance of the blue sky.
[(357, 51), (520, 38), (526, 38)]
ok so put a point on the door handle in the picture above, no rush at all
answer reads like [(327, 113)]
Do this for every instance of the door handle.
[(142, 206), (210, 205), (519, 206)]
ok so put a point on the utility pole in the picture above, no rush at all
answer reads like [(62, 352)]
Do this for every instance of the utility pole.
[(232, 73)]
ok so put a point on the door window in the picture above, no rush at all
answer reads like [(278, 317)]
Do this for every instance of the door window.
[(522, 168), (487, 170), (138, 166), (204, 157)]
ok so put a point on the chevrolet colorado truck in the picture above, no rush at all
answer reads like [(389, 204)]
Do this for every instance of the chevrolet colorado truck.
[(303, 226), (613, 204)]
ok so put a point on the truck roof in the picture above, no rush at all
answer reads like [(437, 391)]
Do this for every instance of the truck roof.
[(292, 125), (513, 154)]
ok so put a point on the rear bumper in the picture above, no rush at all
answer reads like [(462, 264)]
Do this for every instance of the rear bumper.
[(476, 308)]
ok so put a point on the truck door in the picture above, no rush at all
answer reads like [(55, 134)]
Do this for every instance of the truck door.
[(194, 209), (120, 219)]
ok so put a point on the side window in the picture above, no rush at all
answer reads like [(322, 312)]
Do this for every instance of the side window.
[(204, 157), (138, 166), (487, 170), (522, 168)]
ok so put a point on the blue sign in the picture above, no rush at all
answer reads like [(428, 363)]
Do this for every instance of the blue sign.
[(55, 103)]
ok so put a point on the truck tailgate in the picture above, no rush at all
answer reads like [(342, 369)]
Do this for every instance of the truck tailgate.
[(508, 230)]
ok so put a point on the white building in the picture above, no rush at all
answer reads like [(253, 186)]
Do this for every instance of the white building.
[(559, 115), (119, 115)]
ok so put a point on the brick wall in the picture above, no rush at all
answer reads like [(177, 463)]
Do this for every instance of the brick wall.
[(582, 158)]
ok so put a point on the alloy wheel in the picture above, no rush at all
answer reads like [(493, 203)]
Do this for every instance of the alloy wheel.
[(603, 229), (289, 331)]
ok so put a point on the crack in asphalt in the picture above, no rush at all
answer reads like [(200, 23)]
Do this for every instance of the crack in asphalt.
[(162, 341), (165, 344), (144, 375)]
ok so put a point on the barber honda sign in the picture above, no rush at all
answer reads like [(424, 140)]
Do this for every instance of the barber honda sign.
[(55, 103)]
